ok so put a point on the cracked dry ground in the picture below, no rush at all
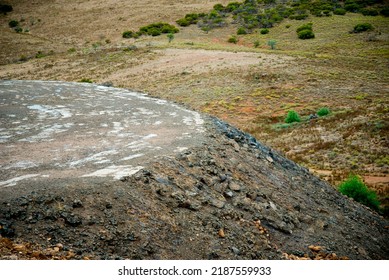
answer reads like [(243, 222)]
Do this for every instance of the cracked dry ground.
[(227, 198)]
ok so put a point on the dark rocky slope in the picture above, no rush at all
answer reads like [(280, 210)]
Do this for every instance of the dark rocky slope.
[(229, 198)]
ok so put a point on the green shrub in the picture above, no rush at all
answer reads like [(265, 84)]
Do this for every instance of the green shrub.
[(18, 29), (299, 17), (351, 7), (241, 31), (306, 34), (369, 12), (264, 31), (256, 44), (85, 80), (156, 29), (340, 12), (183, 22), (362, 27), (385, 12), (307, 26), (292, 117), (5, 9), (13, 23), (323, 112), (355, 188), (130, 34), (233, 39)]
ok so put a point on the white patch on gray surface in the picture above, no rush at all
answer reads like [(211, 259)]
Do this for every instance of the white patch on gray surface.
[(116, 171), (24, 164), (96, 158), (132, 157), (45, 110), (13, 181)]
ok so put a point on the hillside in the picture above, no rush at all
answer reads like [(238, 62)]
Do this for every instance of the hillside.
[(246, 84), (229, 198)]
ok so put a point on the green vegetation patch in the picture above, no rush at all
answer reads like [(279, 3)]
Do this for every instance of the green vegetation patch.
[(154, 29), (323, 112), (292, 117), (362, 27), (353, 187)]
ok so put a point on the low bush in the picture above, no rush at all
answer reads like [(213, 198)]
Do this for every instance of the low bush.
[(241, 31), (264, 31), (292, 117), (304, 26), (306, 34), (299, 17), (385, 12), (85, 80), (323, 112), (13, 23), (362, 27), (183, 22), (130, 34), (156, 29), (355, 188), (369, 12), (5, 9), (340, 12), (233, 40)]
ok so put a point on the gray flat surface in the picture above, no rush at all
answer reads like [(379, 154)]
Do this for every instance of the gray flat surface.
[(70, 130)]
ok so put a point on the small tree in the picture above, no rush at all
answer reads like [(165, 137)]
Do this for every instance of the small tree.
[(170, 37), (292, 117)]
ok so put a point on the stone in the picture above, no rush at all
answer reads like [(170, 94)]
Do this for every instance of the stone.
[(234, 186)]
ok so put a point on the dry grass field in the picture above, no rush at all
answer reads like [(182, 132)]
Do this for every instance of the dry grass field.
[(250, 87)]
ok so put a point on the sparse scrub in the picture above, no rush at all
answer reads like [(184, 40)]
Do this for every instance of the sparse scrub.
[(355, 188), (292, 117)]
